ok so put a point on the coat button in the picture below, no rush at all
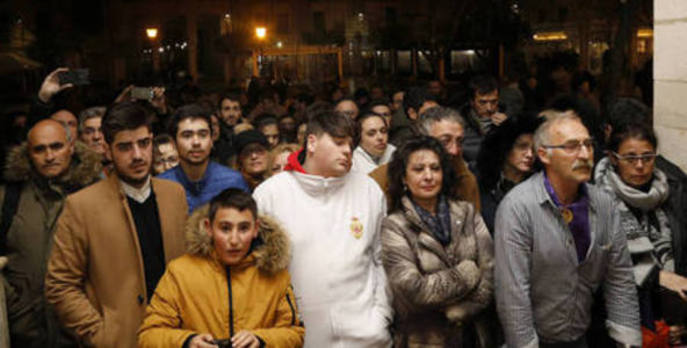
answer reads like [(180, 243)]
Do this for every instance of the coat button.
[(140, 299)]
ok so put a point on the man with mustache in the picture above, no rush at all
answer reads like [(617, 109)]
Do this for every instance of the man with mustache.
[(201, 178), (333, 217), (40, 174), (557, 241), (113, 239)]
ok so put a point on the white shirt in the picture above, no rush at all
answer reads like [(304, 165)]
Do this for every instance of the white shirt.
[(364, 162), (137, 194)]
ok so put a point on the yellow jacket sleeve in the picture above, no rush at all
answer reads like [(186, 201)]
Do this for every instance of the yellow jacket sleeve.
[(288, 330), (162, 322)]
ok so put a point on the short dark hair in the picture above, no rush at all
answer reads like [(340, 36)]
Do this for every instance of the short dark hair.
[(231, 95), (628, 110), (632, 130), (359, 124), (232, 198), (189, 111), (482, 84), (378, 102), (124, 116), (162, 139), (399, 163), (415, 97), (265, 119), (330, 122)]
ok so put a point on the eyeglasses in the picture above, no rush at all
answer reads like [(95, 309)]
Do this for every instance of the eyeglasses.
[(646, 158), (573, 146)]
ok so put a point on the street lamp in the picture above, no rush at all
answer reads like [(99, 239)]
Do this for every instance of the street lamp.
[(260, 32), (151, 33)]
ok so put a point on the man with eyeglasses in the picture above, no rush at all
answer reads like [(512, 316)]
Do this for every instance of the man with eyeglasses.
[(557, 241), (114, 238), (201, 178)]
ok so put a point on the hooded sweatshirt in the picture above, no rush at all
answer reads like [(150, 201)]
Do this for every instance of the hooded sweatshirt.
[(334, 224)]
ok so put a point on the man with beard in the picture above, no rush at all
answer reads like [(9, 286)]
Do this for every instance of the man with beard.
[(40, 174), (201, 178), (558, 240), (91, 133), (114, 238)]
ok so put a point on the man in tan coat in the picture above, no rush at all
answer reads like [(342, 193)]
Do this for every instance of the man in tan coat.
[(114, 238), (447, 126)]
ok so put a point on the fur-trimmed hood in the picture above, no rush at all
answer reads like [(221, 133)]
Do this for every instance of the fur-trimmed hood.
[(272, 254), (85, 167)]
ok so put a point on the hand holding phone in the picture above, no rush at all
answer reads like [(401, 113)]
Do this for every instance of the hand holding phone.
[(77, 77), (52, 85)]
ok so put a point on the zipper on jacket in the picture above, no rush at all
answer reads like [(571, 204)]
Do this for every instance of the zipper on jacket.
[(231, 305)]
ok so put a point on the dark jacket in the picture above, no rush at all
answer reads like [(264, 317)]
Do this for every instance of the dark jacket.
[(29, 240), (675, 207)]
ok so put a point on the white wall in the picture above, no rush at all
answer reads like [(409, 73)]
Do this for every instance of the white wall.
[(670, 79)]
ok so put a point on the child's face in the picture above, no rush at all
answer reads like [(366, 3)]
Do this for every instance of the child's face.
[(232, 232)]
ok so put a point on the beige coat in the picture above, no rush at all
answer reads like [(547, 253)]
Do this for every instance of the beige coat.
[(95, 275), (438, 290)]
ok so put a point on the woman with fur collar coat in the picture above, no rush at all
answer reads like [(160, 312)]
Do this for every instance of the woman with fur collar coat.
[(437, 253)]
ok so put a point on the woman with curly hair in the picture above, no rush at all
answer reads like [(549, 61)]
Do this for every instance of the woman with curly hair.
[(437, 253), (505, 159)]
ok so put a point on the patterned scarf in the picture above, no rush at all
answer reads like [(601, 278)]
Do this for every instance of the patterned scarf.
[(641, 214), (439, 224)]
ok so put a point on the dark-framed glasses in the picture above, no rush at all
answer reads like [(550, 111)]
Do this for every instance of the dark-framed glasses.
[(573, 146), (646, 158)]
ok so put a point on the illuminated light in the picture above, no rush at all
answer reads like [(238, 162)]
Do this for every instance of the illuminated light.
[(261, 32), (470, 52), (151, 33), (226, 15), (279, 44), (550, 36), (645, 33), (161, 49)]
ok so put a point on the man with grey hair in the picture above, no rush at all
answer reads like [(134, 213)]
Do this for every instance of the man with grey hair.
[(447, 126), (558, 240), (90, 130), (40, 174)]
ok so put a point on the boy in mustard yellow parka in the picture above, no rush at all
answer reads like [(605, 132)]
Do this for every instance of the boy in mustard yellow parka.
[(232, 284)]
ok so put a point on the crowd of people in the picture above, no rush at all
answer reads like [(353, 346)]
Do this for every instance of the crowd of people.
[(270, 217)]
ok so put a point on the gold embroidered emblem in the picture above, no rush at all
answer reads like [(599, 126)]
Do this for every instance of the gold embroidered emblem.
[(356, 228)]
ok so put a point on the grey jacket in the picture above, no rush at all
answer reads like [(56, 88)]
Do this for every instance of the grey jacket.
[(542, 293)]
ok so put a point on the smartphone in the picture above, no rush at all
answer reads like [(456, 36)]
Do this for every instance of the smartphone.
[(77, 77), (144, 93)]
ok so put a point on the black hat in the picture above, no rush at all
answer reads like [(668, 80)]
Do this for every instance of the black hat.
[(250, 136)]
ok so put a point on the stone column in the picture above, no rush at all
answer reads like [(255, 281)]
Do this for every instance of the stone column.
[(670, 79)]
